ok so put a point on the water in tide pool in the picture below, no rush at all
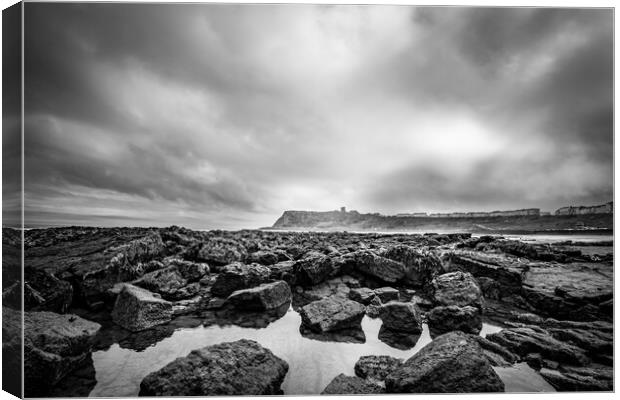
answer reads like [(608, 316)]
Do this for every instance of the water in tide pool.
[(312, 363)]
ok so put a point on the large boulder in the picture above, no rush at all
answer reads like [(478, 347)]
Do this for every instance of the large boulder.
[(263, 297), (454, 318), (332, 314), (237, 368), (376, 368), (137, 309), (237, 276), (526, 340), (54, 346), (221, 251), (452, 363), (458, 289), (343, 384), (174, 282), (401, 317), (313, 269), (386, 270), (420, 265)]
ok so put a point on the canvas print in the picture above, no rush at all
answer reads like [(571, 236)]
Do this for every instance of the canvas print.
[(303, 199)]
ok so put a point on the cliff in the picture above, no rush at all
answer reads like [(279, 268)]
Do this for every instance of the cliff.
[(529, 220)]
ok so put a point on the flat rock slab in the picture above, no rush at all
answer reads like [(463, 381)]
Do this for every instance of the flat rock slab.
[(343, 384), (332, 314), (54, 345), (452, 363), (137, 309), (362, 295), (371, 264), (386, 294), (243, 367), (263, 297)]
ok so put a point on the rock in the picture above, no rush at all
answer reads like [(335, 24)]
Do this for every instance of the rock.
[(264, 257), (534, 360), (523, 341), (579, 379), (137, 309), (215, 303), (402, 317), (456, 288), (44, 292), (331, 287), (373, 309), (54, 346), (237, 368), (343, 384), (263, 297), (420, 266), (168, 282), (454, 318), (239, 276), (497, 355), (222, 251), (283, 271), (332, 314), (387, 294), (376, 368), (594, 342), (313, 269), (452, 363), (362, 295), (379, 267)]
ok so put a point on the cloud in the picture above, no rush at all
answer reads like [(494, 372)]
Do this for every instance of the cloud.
[(222, 116)]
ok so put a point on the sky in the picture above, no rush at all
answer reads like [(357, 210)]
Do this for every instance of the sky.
[(223, 116)]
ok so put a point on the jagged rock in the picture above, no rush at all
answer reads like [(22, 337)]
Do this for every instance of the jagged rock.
[(343, 384), (283, 271), (239, 276), (362, 295), (420, 266), (402, 317), (374, 308), (332, 314), (263, 297), (496, 354), (331, 287), (376, 367), (572, 379), (54, 346), (456, 288), (313, 269), (222, 251), (592, 341), (379, 267), (43, 292), (387, 294), (523, 341), (237, 368), (452, 363), (264, 257), (137, 309), (454, 318)]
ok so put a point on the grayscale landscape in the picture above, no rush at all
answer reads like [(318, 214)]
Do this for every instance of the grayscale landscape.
[(279, 199)]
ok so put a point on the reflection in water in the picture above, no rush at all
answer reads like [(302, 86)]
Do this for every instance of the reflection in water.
[(312, 363), (398, 340), (351, 335)]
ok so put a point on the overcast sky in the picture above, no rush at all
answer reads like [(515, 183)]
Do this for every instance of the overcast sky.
[(223, 116)]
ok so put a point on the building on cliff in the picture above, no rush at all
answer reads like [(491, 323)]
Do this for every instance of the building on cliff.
[(607, 208), (511, 213)]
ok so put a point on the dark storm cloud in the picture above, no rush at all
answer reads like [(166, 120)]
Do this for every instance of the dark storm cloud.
[(224, 115)]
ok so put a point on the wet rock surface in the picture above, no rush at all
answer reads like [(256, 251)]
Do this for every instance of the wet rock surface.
[(243, 367), (452, 363), (401, 317), (137, 309), (343, 384), (376, 368), (555, 301), (263, 297)]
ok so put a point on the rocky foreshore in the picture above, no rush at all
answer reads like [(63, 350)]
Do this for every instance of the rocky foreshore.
[(554, 302)]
